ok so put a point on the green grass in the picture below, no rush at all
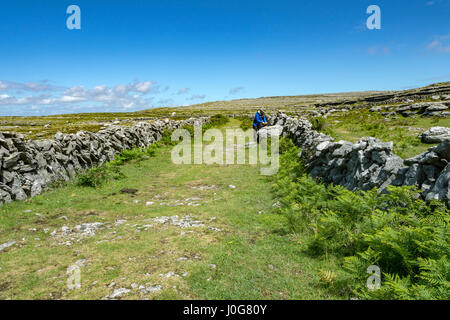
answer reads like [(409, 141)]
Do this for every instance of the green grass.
[(256, 256)]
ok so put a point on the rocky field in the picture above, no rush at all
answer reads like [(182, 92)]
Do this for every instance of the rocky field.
[(99, 193)]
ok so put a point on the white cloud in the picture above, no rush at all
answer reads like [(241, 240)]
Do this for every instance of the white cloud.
[(183, 91), (166, 103), (433, 2), (29, 86), (70, 99), (42, 98), (124, 96), (197, 97), (236, 90), (121, 89), (440, 45), (379, 50), (143, 87)]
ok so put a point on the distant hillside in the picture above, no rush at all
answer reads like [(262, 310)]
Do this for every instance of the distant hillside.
[(297, 103), (39, 127)]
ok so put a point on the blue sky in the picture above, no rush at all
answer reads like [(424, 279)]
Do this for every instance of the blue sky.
[(135, 54)]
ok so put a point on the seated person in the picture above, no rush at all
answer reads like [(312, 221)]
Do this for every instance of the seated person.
[(259, 122)]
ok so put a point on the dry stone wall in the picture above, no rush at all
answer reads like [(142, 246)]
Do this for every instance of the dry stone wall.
[(27, 167), (369, 162)]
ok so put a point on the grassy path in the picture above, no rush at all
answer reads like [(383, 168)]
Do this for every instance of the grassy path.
[(225, 243)]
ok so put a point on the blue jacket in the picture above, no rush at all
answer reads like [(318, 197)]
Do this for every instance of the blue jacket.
[(259, 118)]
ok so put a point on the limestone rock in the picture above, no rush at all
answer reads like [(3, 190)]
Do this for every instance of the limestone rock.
[(6, 245), (271, 131), (436, 135)]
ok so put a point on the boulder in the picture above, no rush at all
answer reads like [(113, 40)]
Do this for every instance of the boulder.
[(11, 161), (436, 107), (376, 109), (36, 188), (435, 135), (8, 244), (443, 150), (271, 131), (16, 190), (432, 114), (5, 196), (440, 190)]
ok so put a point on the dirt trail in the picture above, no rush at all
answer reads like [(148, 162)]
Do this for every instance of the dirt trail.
[(188, 232)]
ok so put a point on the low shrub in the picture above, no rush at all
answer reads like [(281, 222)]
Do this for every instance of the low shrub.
[(319, 123), (96, 176), (246, 123), (166, 139), (218, 120), (137, 154)]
